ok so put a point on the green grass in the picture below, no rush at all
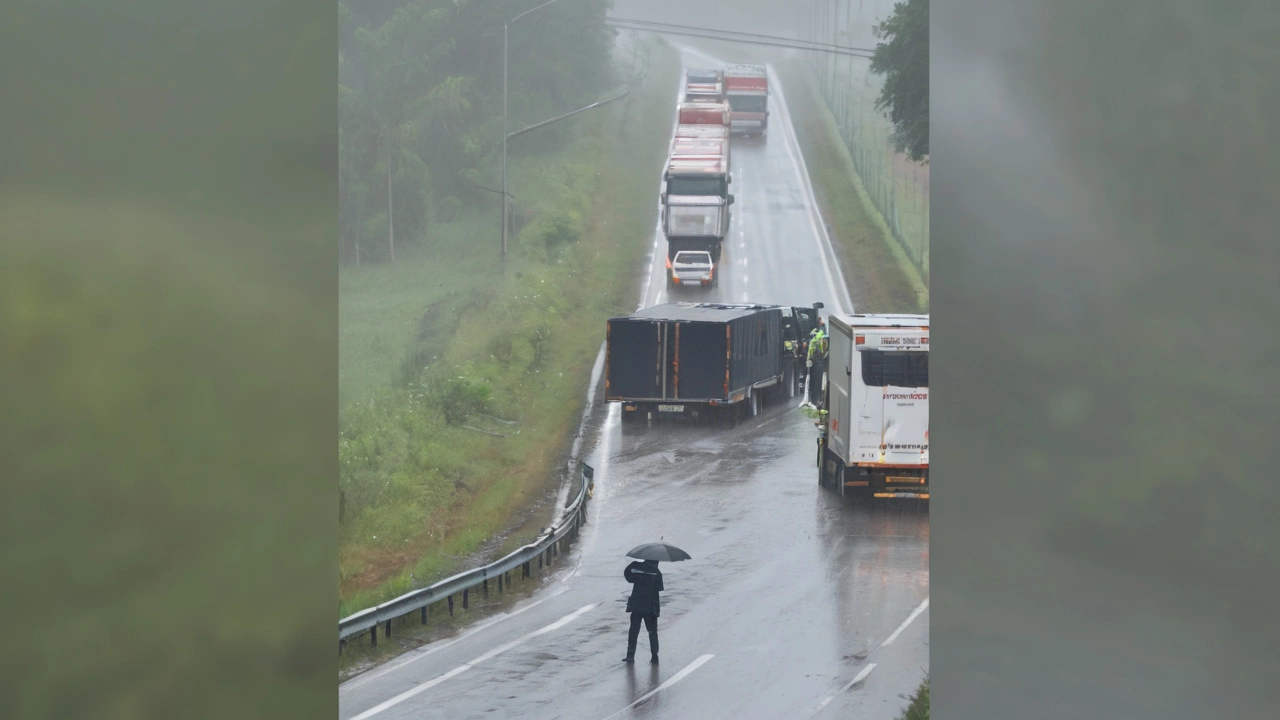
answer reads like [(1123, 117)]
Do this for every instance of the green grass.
[(422, 495), (381, 307), (896, 187), (152, 397)]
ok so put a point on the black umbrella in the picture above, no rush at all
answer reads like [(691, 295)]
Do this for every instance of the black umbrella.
[(659, 551)]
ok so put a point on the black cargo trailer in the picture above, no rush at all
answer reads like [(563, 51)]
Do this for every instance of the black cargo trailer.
[(704, 360)]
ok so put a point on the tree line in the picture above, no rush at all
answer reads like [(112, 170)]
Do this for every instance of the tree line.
[(420, 105), (903, 58)]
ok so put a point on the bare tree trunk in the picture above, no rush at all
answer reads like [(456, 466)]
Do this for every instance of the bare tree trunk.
[(391, 215)]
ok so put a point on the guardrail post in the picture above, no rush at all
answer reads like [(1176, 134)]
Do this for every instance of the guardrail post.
[(528, 570), (450, 606), (424, 614), (373, 635), (388, 628), (500, 582), (486, 587), (464, 598), (342, 642), (540, 560)]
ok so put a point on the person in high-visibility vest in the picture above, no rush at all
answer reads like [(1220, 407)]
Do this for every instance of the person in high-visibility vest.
[(817, 362)]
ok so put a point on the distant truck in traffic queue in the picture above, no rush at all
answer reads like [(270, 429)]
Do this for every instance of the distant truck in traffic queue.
[(695, 197), (701, 84), (746, 88), (704, 113), (874, 437), (702, 130), (710, 362)]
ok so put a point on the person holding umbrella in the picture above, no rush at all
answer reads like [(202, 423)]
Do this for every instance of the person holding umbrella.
[(646, 581)]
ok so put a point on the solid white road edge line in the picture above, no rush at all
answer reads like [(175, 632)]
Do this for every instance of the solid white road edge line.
[(906, 622), (463, 668), (802, 174), (361, 679), (670, 681)]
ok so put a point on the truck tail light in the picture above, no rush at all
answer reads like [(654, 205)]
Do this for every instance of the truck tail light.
[(859, 339)]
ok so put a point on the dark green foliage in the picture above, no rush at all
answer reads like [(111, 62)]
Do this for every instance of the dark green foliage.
[(460, 397), (420, 105), (555, 227), (919, 707), (904, 60)]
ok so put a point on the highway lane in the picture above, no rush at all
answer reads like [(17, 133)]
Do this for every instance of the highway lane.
[(791, 594)]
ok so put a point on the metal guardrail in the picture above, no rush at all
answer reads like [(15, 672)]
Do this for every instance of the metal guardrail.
[(543, 550)]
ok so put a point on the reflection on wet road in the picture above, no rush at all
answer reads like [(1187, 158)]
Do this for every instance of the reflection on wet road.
[(795, 602)]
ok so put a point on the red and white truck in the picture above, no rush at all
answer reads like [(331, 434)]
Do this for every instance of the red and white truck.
[(702, 131), (874, 438), (746, 88), (703, 113), (704, 85)]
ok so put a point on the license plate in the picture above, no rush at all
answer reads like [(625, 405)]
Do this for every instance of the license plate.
[(670, 408)]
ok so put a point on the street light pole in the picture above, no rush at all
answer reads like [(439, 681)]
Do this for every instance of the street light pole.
[(504, 141), (505, 26)]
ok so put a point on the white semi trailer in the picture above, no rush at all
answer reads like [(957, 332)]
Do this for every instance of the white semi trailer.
[(874, 438)]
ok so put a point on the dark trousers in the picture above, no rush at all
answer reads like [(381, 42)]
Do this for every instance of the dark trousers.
[(650, 624), (813, 384)]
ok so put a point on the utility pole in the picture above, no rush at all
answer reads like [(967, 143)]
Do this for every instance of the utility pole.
[(504, 142), (505, 26)]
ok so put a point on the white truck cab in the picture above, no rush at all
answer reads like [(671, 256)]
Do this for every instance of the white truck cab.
[(874, 438)]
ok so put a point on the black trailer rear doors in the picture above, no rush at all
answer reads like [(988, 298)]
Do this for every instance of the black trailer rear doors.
[(667, 359), (634, 358)]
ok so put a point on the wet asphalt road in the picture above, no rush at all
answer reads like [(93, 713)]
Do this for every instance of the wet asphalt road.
[(795, 604)]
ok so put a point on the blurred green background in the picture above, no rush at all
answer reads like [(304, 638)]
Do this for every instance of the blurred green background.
[(168, 353), (1107, 387)]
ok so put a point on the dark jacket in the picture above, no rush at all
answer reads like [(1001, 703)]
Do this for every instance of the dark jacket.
[(647, 579)]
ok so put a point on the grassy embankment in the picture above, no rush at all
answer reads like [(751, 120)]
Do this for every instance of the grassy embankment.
[(440, 356), (881, 277)]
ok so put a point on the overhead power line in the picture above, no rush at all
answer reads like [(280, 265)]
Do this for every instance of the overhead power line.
[(735, 36)]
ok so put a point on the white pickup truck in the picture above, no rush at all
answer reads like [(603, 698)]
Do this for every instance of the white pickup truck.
[(874, 438), (693, 268)]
